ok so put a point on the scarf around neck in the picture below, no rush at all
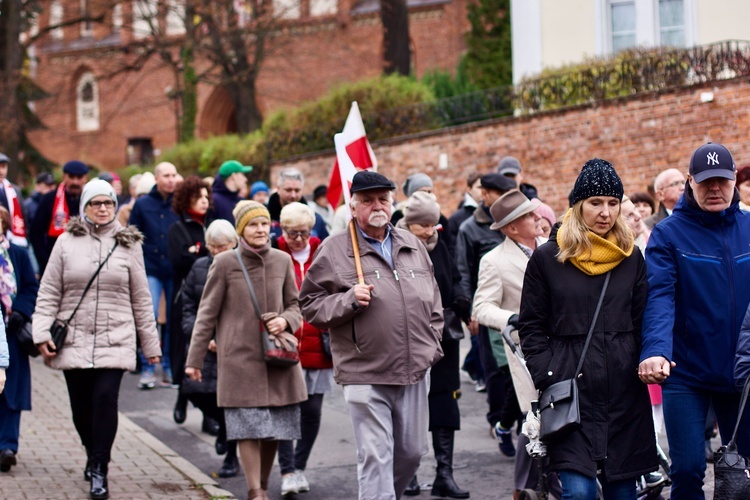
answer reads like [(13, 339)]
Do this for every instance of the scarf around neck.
[(60, 213), (605, 255), (17, 233)]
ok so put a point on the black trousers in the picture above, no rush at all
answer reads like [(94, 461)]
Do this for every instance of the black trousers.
[(93, 400), (293, 458), (206, 403), (501, 396)]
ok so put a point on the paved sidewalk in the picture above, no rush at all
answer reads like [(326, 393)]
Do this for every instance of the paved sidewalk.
[(51, 458)]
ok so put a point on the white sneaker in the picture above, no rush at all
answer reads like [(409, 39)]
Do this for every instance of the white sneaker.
[(289, 484), (302, 485)]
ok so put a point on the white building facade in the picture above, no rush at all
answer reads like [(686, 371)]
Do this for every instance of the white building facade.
[(552, 33)]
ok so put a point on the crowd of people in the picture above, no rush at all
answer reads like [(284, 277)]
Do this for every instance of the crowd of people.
[(636, 296)]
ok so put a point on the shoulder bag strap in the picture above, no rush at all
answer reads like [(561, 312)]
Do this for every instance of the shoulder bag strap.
[(593, 323), (249, 284), (743, 403), (91, 281)]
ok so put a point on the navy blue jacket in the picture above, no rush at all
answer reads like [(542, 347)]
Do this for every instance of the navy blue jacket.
[(18, 387), (153, 216), (224, 200), (698, 266)]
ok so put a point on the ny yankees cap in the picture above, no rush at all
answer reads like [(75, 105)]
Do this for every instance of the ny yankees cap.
[(712, 160)]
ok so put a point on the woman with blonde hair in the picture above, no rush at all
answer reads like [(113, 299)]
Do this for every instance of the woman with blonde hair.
[(564, 280), (260, 401)]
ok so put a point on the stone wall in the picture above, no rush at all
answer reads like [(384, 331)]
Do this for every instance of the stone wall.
[(641, 135)]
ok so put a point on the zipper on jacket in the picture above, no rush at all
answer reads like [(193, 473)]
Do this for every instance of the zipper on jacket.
[(395, 273), (377, 273), (730, 264), (412, 274), (354, 337), (406, 325)]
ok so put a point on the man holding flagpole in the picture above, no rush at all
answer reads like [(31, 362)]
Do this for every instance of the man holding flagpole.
[(373, 288)]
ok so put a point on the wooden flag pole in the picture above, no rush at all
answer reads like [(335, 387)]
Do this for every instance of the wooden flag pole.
[(355, 248)]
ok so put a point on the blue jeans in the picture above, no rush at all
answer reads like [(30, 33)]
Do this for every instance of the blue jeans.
[(156, 286), (577, 486), (685, 410)]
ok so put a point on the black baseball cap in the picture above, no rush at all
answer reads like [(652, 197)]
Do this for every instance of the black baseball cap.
[(712, 160), (45, 178), (498, 182), (367, 180)]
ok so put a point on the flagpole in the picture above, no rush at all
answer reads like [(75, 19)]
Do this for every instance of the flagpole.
[(355, 249)]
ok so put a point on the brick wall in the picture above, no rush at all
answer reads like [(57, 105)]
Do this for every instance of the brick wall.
[(641, 136), (305, 61)]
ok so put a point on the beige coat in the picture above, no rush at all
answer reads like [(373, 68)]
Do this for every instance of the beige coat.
[(498, 297), (244, 378), (394, 340), (116, 307)]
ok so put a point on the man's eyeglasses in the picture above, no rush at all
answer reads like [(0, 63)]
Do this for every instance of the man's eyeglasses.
[(105, 203), (673, 184), (293, 235)]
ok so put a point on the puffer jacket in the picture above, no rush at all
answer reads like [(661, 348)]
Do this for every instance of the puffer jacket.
[(191, 298), (311, 354), (557, 306), (394, 340), (116, 307), (698, 263)]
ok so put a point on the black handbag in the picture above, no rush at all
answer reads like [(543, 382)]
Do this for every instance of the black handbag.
[(283, 354), (452, 327), (732, 470), (559, 408), (25, 339), (59, 329)]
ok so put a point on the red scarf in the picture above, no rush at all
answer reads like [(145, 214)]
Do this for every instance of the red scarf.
[(17, 225), (60, 213), (201, 218)]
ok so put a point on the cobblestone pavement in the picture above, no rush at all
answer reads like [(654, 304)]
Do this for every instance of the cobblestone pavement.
[(51, 458)]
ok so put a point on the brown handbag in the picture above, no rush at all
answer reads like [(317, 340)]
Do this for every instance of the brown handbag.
[(278, 350)]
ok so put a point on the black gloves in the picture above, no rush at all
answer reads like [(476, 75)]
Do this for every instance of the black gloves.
[(462, 306), (513, 321)]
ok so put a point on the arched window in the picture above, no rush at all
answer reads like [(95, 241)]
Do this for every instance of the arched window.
[(87, 103)]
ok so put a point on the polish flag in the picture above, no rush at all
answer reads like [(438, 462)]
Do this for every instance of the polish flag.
[(353, 153)]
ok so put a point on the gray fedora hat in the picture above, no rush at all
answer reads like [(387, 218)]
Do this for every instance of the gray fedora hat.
[(510, 207)]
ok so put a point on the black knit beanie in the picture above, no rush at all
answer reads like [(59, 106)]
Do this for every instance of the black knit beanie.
[(597, 178)]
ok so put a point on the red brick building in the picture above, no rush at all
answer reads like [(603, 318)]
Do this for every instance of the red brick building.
[(111, 121)]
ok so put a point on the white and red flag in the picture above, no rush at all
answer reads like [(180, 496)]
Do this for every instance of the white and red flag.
[(353, 153)]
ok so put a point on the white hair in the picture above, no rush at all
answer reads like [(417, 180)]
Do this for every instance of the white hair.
[(290, 174), (296, 214), (663, 175), (221, 232)]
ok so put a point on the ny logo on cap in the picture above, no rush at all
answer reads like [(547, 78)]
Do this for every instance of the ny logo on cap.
[(713, 158)]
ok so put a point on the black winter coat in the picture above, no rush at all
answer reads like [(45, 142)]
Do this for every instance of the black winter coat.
[(444, 376), (182, 235), (474, 240), (557, 306), (191, 297)]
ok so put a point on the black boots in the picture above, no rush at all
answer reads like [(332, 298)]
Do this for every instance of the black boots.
[(179, 414), (231, 466), (413, 489), (87, 470), (444, 484), (99, 487)]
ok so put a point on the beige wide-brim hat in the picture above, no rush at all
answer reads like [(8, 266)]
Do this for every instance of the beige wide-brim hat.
[(510, 207)]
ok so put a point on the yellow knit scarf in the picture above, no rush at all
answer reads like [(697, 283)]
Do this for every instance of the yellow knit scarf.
[(605, 254)]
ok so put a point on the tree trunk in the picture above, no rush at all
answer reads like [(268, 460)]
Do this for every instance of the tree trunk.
[(189, 96), (10, 72), (245, 106), (396, 51)]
